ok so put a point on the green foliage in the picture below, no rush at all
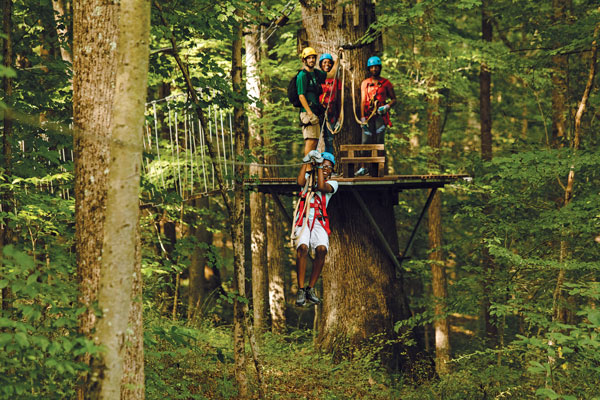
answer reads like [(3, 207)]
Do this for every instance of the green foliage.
[(38, 332)]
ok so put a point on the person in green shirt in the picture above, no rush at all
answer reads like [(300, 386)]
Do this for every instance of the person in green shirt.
[(309, 82)]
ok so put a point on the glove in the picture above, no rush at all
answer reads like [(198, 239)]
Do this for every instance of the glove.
[(306, 159), (315, 156), (383, 109), (314, 120)]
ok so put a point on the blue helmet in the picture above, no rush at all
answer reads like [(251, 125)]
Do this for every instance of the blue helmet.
[(328, 156), (325, 56), (374, 61)]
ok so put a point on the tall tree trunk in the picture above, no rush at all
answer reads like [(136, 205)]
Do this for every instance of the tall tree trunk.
[(436, 256), (95, 26), (132, 383), (485, 113), (361, 296), (276, 232), (558, 312), (559, 80), (122, 205), (60, 17), (258, 240), (7, 86), (198, 262), (237, 222), (485, 85)]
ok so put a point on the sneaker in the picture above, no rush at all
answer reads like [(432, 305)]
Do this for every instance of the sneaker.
[(301, 297), (312, 297), (362, 172)]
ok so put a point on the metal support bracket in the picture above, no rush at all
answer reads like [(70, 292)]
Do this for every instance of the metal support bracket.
[(414, 232), (281, 207), (386, 245)]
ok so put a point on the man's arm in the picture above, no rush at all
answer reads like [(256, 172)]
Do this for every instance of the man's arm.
[(363, 95), (332, 72), (322, 185), (301, 180), (304, 103)]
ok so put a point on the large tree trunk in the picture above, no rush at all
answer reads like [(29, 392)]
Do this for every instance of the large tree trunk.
[(95, 33), (361, 296), (258, 240), (122, 206)]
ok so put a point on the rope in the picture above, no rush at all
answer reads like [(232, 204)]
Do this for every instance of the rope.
[(354, 105), (201, 131), (306, 194), (340, 121)]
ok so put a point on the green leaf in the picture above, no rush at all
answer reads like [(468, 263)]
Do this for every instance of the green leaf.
[(594, 317), (21, 339), (547, 392)]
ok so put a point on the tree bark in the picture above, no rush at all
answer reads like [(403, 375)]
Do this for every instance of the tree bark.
[(258, 240), (436, 256), (276, 232), (485, 111), (95, 26), (132, 384), (198, 261), (122, 205), (485, 85), (558, 312), (60, 15), (7, 134), (559, 80)]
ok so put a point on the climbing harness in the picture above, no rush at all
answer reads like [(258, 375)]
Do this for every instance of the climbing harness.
[(309, 200)]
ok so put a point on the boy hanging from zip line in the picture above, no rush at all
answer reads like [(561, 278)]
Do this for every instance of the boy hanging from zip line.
[(308, 83), (311, 227), (377, 97)]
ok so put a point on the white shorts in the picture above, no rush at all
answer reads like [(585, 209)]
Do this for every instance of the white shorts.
[(317, 237)]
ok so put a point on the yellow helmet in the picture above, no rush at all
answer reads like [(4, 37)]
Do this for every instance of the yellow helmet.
[(307, 52)]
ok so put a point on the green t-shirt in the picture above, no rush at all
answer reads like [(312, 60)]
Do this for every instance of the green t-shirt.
[(309, 84)]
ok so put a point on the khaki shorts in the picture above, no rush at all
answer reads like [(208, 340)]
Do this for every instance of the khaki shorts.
[(312, 131)]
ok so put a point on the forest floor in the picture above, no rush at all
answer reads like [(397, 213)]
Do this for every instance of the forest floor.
[(197, 363)]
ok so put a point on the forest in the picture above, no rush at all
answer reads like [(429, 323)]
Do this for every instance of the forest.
[(143, 258)]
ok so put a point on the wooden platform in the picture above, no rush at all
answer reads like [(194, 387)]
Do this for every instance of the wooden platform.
[(288, 186)]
